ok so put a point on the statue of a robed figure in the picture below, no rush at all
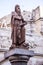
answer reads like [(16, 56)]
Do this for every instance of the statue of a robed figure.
[(18, 29), (18, 54)]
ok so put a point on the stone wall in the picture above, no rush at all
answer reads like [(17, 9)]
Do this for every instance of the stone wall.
[(5, 38)]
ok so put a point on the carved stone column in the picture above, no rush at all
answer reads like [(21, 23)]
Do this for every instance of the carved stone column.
[(19, 60), (19, 56)]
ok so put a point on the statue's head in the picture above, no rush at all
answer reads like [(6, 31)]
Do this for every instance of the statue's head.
[(17, 9)]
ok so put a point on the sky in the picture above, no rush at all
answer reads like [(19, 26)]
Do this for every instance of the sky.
[(7, 6)]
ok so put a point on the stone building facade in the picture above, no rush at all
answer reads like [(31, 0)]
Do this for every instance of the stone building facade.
[(33, 35)]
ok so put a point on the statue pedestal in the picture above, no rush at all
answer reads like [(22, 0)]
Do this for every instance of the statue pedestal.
[(19, 56), (18, 60)]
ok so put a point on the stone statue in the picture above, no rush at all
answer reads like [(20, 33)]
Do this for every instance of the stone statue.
[(18, 30)]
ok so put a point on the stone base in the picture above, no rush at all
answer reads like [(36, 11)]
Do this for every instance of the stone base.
[(18, 60), (18, 56), (19, 51)]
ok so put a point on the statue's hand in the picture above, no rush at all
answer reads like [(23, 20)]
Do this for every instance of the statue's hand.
[(22, 24)]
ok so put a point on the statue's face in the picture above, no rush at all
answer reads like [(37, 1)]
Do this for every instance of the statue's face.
[(18, 9)]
